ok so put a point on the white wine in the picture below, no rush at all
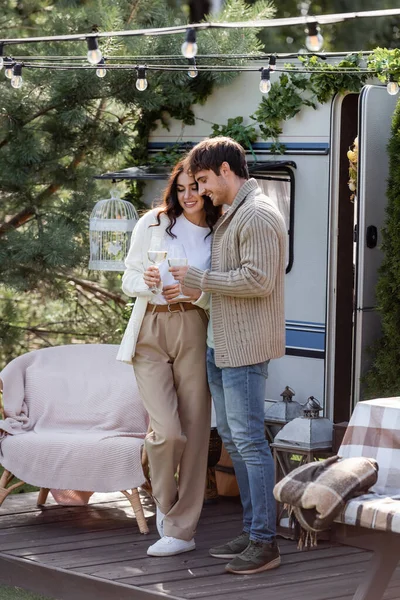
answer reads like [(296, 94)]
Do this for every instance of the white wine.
[(156, 256), (177, 262)]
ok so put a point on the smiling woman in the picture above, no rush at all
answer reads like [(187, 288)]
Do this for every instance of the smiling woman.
[(166, 342)]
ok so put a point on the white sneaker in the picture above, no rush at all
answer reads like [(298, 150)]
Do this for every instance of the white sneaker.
[(160, 522), (169, 546)]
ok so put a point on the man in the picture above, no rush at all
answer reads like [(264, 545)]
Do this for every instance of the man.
[(246, 330)]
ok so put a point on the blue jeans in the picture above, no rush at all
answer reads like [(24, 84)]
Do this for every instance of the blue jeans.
[(238, 394)]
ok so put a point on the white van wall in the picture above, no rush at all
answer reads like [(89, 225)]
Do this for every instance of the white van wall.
[(307, 139)]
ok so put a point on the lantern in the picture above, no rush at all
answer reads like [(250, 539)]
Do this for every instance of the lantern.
[(307, 433), (111, 225), (279, 412), (302, 440)]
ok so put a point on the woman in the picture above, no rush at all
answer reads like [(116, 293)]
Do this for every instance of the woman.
[(166, 342)]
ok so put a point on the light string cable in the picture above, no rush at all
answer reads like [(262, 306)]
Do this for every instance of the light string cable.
[(203, 68), (171, 57), (255, 24)]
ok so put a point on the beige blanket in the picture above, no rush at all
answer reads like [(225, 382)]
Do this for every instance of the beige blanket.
[(74, 419)]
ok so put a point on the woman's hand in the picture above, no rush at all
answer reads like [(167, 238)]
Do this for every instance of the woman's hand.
[(152, 276)]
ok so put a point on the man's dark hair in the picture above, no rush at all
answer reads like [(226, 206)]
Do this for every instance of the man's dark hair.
[(212, 152)]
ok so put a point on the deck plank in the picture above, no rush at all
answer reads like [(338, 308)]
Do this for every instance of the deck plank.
[(100, 546)]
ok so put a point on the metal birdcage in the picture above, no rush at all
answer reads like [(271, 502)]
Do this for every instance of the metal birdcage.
[(111, 225)]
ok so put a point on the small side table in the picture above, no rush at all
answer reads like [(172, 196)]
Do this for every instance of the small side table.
[(284, 463)]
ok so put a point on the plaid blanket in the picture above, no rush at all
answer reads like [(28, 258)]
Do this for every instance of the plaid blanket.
[(374, 431), (373, 512), (316, 492)]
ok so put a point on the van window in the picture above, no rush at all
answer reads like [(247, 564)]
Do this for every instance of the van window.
[(279, 187)]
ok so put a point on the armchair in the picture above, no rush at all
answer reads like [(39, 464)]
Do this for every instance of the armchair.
[(73, 420)]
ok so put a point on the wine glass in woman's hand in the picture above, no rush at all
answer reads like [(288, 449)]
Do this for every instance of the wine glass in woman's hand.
[(156, 253)]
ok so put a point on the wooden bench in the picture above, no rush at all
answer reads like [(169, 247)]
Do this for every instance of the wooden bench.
[(372, 522)]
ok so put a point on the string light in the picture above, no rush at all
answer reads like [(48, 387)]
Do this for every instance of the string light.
[(272, 62), (192, 72), (314, 40), (141, 81), (1, 55), (8, 72), (392, 86), (101, 71), (189, 46), (265, 83), (94, 55), (16, 80)]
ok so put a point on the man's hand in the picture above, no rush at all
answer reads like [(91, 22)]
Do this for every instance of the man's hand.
[(191, 293), (170, 292), (179, 273), (152, 277)]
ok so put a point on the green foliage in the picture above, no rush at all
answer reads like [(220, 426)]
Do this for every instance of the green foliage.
[(384, 378), (386, 61), (245, 135), (324, 85), (284, 101)]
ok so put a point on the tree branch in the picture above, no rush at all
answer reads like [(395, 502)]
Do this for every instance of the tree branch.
[(92, 287)]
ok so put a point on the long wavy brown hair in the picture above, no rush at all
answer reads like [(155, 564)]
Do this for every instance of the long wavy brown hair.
[(171, 207)]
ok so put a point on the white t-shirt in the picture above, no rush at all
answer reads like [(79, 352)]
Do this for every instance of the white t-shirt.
[(197, 244)]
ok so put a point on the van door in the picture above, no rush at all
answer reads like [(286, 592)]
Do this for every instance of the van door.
[(376, 108)]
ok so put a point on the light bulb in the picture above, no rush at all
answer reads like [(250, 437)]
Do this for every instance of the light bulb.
[(392, 87), (16, 80), (192, 72), (314, 40), (101, 71), (141, 81), (9, 70), (265, 83), (265, 86), (189, 46), (94, 54)]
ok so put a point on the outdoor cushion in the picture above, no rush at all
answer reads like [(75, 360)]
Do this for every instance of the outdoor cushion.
[(372, 511)]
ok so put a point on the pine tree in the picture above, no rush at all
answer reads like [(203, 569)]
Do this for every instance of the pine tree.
[(58, 131)]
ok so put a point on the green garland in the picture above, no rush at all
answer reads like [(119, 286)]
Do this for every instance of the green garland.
[(292, 91)]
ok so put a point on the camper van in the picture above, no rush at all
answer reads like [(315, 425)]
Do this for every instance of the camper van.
[(333, 243)]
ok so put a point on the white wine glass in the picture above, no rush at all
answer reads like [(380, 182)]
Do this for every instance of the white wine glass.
[(177, 258), (156, 254)]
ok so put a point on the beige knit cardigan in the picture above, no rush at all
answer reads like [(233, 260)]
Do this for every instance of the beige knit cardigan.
[(246, 280)]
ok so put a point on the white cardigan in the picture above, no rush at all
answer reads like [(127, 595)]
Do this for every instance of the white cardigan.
[(133, 283)]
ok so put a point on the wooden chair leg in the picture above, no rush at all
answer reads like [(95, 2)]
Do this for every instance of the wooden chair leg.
[(379, 573), (134, 499), (42, 497), (5, 485)]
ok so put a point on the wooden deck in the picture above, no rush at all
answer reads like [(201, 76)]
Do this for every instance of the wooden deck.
[(97, 553)]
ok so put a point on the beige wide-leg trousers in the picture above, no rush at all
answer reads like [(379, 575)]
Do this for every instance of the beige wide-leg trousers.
[(170, 368)]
